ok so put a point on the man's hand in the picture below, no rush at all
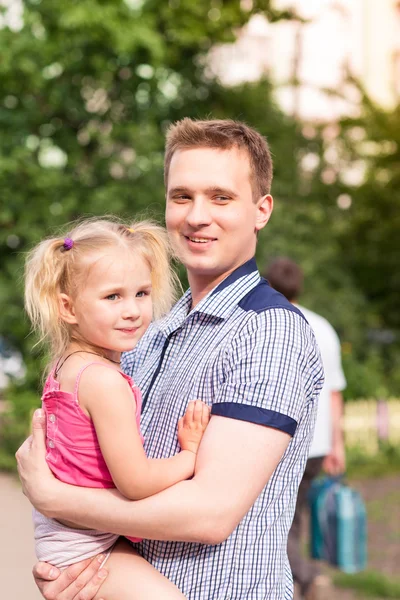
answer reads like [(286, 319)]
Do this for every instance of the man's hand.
[(36, 478), (335, 462), (80, 581)]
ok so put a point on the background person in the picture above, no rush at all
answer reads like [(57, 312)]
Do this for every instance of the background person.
[(244, 349), (327, 450)]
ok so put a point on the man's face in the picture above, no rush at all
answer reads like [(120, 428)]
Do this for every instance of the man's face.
[(211, 215)]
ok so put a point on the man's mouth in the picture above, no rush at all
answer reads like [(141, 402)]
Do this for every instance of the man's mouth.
[(199, 240)]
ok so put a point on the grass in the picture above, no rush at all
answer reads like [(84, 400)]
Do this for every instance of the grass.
[(371, 583)]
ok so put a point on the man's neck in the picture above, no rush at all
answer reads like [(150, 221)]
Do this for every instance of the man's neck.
[(200, 291), (201, 286)]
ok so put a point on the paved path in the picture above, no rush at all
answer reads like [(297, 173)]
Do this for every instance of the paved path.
[(16, 550)]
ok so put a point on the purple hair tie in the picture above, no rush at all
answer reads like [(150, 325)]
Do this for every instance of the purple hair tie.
[(68, 243)]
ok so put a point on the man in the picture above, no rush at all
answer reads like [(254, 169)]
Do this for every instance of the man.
[(327, 449), (240, 346)]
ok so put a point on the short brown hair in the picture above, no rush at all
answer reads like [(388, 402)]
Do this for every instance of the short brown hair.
[(224, 135), (286, 277)]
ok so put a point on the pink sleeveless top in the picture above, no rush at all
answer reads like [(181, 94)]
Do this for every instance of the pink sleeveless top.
[(73, 451)]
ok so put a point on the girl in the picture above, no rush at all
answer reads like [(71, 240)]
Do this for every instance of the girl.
[(92, 295)]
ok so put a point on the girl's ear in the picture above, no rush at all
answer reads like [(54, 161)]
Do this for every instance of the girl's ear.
[(66, 308)]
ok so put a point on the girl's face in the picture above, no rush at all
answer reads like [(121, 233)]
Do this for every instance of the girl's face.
[(113, 307)]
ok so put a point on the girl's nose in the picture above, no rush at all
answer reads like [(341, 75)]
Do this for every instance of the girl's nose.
[(131, 310)]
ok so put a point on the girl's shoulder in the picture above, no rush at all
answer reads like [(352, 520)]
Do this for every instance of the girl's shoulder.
[(98, 383), (100, 376), (80, 370)]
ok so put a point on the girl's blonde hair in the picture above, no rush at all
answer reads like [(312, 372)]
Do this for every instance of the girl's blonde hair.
[(52, 267)]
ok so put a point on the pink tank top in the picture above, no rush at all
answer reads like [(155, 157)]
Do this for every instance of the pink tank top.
[(73, 451)]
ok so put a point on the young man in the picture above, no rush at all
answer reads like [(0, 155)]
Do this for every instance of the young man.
[(327, 449), (240, 346)]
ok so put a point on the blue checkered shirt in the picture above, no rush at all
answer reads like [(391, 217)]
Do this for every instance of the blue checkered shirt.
[(251, 355)]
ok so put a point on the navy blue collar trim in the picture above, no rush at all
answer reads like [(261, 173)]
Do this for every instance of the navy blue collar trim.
[(248, 267)]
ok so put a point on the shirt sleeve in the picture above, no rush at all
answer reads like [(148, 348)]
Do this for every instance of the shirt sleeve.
[(272, 370)]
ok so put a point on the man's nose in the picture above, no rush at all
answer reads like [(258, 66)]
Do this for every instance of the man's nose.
[(199, 214)]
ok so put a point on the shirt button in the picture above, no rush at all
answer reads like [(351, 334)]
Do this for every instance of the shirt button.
[(51, 444), (52, 418)]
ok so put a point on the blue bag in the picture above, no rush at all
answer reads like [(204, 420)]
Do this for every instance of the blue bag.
[(338, 525)]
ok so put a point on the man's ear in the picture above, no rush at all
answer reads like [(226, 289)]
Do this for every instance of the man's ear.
[(66, 308), (265, 206)]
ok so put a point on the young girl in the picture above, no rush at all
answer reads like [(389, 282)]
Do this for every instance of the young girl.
[(92, 295)]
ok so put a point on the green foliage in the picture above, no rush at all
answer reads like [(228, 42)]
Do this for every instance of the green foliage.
[(370, 238), (362, 466), (87, 90), (365, 377), (362, 158), (370, 583)]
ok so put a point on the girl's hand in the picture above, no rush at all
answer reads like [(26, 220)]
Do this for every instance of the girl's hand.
[(192, 425)]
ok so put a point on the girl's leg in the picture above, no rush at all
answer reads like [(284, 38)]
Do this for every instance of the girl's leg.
[(131, 577)]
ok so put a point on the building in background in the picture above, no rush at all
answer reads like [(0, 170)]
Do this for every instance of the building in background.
[(312, 57)]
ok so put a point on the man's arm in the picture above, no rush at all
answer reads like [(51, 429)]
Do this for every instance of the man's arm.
[(229, 476), (335, 462)]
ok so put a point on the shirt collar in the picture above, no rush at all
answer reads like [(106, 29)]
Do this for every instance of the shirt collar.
[(220, 302)]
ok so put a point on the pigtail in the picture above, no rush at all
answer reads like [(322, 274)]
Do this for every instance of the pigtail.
[(45, 272), (166, 287)]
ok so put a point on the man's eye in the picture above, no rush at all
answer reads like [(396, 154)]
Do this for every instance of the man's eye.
[(222, 198)]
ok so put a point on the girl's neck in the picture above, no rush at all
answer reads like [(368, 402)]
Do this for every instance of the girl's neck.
[(80, 345)]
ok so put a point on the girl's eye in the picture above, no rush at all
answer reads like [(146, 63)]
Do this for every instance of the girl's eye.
[(142, 293), (112, 297)]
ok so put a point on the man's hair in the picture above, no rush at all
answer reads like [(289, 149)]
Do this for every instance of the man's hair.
[(286, 277), (223, 135)]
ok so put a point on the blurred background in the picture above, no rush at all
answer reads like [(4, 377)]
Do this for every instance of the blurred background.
[(87, 90)]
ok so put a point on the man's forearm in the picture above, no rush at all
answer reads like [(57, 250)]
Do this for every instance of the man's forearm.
[(205, 509), (180, 513), (337, 418)]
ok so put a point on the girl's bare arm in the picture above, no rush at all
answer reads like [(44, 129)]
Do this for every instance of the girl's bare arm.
[(110, 403)]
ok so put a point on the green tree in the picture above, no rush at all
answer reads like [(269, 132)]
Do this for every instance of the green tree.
[(87, 89), (371, 236), (357, 180)]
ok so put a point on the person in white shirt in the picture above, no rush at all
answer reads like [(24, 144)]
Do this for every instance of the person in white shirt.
[(327, 450)]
